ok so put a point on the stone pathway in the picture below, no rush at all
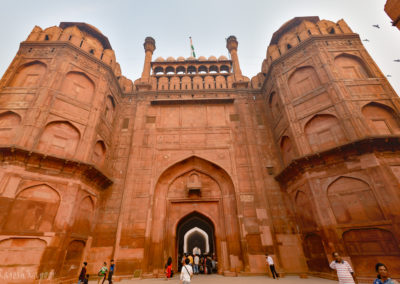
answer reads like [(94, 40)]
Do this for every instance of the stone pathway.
[(218, 279)]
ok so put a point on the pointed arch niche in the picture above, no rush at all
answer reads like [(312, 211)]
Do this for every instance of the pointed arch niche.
[(351, 67), (381, 119), (99, 153), (287, 150), (84, 216), (304, 211), (353, 201), (323, 132), (78, 86), (14, 252), (303, 80), (29, 75), (366, 247), (8, 122), (172, 204), (34, 210), (60, 138)]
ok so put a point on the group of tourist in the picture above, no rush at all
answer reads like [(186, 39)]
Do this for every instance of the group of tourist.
[(344, 271), (204, 264), (346, 274), (103, 273), (192, 264)]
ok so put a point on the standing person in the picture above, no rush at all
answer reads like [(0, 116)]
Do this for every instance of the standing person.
[(271, 264), (86, 281), (344, 271), (82, 275), (111, 272), (168, 268), (204, 263), (209, 264), (183, 260), (186, 273), (383, 275), (196, 260), (102, 273), (201, 267), (190, 257), (214, 263)]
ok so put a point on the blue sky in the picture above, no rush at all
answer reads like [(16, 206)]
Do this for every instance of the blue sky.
[(209, 22)]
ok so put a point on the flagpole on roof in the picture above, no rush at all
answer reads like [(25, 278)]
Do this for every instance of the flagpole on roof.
[(192, 53)]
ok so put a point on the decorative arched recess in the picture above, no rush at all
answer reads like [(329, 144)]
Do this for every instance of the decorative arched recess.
[(303, 80), (352, 201), (221, 209), (315, 253), (366, 247), (29, 75), (287, 150), (8, 122), (14, 252), (59, 138), (324, 131), (33, 210), (99, 153), (273, 104), (73, 257), (351, 67), (220, 82), (381, 118), (304, 211), (78, 86), (198, 83), (84, 216), (109, 109), (163, 83)]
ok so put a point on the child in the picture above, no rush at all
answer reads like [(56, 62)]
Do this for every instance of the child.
[(86, 281)]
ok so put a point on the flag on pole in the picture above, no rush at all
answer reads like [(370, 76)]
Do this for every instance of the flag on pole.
[(192, 48)]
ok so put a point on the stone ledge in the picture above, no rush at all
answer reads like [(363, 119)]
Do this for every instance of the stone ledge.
[(193, 101), (52, 165), (339, 154)]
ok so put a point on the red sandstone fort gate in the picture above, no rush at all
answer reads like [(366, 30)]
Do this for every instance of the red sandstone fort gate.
[(301, 160), (214, 198)]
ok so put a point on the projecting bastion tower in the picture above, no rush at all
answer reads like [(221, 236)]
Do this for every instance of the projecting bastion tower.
[(301, 160)]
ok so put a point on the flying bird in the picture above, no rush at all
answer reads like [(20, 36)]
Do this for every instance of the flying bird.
[(388, 76), (366, 39), (396, 60), (376, 26)]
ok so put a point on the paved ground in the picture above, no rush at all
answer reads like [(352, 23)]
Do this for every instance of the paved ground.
[(218, 279)]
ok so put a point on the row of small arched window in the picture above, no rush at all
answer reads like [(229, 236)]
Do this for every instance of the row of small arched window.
[(202, 69), (194, 83)]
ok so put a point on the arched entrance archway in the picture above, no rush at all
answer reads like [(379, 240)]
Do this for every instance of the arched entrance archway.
[(195, 241), (195, 231), (207, 201)]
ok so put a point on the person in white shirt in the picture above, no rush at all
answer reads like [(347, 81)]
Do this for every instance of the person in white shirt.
[(196, 250), (186, 272), (196, 261), (343, 269), (271, 264)]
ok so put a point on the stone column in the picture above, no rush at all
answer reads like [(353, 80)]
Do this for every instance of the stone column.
[(232, 45), (149, 47)]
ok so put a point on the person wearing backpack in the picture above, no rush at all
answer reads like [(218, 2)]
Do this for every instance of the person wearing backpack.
[(186, 272)]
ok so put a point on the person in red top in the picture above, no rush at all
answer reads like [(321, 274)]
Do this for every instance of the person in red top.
[(168, 268)]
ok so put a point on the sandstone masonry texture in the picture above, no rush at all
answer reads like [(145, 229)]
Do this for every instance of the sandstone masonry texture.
[(301, 160)]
